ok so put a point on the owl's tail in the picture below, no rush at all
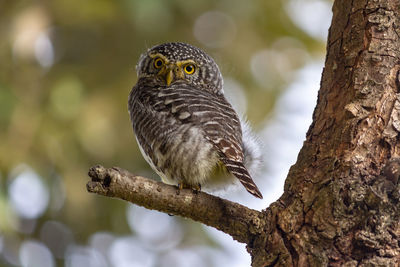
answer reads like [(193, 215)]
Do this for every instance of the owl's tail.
[(240, 172)]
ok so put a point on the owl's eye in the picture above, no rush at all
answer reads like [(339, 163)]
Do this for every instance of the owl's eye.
[(158, 63), (189, 68)]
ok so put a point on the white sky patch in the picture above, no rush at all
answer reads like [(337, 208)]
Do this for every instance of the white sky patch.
[(312, 16), (284, 134)]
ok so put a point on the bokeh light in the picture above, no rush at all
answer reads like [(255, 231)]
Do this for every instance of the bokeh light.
[(44, 50), (77, 256), (183, 258), (155, 229), (234, 93), (101, 242), (214, 29), (276, 65), (33, 253), (128, 252), (57, 237), (303, 13), (230, 247), (28, 194), (29, 35)]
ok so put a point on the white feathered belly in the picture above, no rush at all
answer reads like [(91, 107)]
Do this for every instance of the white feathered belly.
[(191, 159)]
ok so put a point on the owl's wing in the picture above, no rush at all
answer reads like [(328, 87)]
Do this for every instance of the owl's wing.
[(150, 122), (215, 116), (224, 131)]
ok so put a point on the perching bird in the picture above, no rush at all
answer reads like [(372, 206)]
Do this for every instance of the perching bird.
[(186, 129)]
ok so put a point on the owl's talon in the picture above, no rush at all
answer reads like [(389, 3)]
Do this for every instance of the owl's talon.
[(197, 188), (183, 185)]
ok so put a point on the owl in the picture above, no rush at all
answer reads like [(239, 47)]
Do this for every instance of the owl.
[(185, 128)]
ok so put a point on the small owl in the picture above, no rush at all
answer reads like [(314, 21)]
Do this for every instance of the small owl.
[(186, 129)]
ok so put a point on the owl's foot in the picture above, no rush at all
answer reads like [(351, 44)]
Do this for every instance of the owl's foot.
[(196, 188), (183, 185)]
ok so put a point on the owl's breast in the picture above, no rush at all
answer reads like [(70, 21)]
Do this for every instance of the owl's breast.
[(178, 129), (183, 154)]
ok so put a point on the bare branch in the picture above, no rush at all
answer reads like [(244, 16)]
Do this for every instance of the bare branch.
[(240, 222)]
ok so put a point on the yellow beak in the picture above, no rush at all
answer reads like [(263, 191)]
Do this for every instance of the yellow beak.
[(169, 77)]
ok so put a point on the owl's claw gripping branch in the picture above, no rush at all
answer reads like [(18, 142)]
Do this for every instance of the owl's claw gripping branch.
[(240, 222)]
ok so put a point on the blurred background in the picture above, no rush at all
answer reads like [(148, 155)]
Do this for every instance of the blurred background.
[(66, 69)]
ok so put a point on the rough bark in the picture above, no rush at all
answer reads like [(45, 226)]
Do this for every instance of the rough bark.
[(340, 205), (336, 208)]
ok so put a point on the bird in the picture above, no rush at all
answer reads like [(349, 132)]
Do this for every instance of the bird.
[(184, 126)]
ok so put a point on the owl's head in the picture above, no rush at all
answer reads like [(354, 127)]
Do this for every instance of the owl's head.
[(171, 63)]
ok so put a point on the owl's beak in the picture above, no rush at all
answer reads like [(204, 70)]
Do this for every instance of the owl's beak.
[(169, 77)]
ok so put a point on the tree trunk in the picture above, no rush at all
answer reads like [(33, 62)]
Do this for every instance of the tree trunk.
[(340, 205)]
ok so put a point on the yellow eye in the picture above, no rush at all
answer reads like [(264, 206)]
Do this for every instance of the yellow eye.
[(189, 68), (158, 63)]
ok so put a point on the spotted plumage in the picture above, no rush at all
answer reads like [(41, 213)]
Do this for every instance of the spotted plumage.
[(186, 129)]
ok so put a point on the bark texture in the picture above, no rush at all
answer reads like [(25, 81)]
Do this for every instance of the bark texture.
[(340, 205)]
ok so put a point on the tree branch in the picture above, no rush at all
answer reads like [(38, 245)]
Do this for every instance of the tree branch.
[(240, 222)]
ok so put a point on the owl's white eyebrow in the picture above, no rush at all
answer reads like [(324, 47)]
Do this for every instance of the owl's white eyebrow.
[(159, 55)]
